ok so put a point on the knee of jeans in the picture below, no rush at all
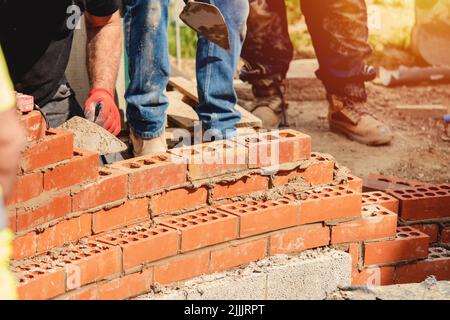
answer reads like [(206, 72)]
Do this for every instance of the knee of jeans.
[(155, 12)]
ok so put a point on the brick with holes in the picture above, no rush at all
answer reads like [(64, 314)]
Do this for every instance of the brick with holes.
[(330, 203), (258, 217), (203, 228), (270, 149), (38, 280), (320, 171), (377, 182), (437, 264), (143, 243), (381, 198), (89, 262), (410, 244), (354, 183), (424, 203), (376, 223), (151, 173), (430, 229), (213, 159)]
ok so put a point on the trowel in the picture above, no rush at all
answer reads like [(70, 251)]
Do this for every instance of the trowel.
[(90, 136), (207, 20)]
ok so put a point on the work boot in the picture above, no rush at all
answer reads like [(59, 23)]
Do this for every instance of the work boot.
[(269, 106), (145, 147), (354, 120)]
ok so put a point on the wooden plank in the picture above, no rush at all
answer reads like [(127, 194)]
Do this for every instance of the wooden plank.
[(189, 89), (179, 112)]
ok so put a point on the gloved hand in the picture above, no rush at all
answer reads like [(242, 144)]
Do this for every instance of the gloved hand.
[(101, 108)]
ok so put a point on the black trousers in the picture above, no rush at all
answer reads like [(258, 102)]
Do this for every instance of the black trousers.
[(339, 34)]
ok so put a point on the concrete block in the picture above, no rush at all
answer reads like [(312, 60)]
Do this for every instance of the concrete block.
[(309, 278), (245, 287), (314, 274)]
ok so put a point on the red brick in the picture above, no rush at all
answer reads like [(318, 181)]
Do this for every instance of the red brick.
[(437, 264), (213, 159), (39, 281), (243, 186), (111, 186), (26, 188), (182, 268), (423, 203), (24, 246), (130, 212), (12, 219), (126, 287), (300, 239), (89, 262), (373, 276), (432, 230), (321, 171), (81, 168), (55, 147), (354, 183), (237, 254), (331, 203), (34, 125), (83, 294), (377, 182), (203, 228), (410, 244), (445, 235), (142, 172), (258, 217), (63, 232), (58, 206), (355, 251), (24, 102), (382, 199), (376, 223), (270, 149), (143, 243), (178, 199)]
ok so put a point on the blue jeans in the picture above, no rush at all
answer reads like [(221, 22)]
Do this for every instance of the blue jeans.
[(146, 26)]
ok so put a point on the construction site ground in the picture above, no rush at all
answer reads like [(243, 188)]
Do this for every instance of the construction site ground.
[(417, 152)]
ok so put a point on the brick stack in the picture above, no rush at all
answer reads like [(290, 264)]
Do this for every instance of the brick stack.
[(90, 232)]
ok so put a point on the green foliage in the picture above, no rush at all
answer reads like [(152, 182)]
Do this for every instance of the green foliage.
[(188, 41)]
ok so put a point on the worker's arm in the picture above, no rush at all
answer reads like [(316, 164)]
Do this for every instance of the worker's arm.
[(11, 133), (104, 48)]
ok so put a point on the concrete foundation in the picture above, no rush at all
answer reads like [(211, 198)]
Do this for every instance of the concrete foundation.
[(312, 275)]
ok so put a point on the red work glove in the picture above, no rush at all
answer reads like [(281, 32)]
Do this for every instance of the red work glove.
[(102, 109)]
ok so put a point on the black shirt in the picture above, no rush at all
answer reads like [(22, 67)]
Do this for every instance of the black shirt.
[(36, 38)]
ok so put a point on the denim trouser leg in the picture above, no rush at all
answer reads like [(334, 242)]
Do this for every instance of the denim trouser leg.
[(146, 27), (216, 69)]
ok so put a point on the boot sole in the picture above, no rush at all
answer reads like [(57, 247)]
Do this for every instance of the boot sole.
[(370, 142)]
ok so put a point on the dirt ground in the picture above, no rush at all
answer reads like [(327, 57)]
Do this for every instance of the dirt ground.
[(417, 152)]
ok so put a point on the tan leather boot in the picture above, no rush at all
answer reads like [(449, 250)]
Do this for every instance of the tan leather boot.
[(269, 105), (353, 120), (145, 147)]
